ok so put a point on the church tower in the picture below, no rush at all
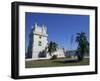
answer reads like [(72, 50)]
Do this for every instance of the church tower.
[(38, 42)]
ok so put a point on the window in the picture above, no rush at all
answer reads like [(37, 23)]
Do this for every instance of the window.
[(40, 37), (39, 43)]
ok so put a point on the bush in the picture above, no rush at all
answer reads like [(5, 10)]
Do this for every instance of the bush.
[(68, 56), (54, 57)]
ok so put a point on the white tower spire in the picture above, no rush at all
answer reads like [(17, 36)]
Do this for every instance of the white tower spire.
[(36, 24)]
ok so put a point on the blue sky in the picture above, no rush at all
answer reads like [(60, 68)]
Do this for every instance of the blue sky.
[(60, 27)]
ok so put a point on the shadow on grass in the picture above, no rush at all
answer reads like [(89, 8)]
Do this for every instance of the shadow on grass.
[(66, 61)]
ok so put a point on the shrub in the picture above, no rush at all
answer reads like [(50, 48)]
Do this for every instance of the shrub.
[(68, 56), (54, 57)]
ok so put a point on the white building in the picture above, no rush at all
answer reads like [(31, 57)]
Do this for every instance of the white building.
[(60, 53), (38, 44)]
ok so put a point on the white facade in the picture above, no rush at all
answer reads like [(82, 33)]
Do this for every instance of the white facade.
[(39, 42), (60, 53)]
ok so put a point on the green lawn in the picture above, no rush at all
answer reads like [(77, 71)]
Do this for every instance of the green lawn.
[(55, 63)]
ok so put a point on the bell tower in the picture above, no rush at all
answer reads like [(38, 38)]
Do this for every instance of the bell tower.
[(38, 41)]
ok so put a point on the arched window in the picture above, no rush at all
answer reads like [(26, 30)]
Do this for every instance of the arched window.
[(40, 37), (39, 43)]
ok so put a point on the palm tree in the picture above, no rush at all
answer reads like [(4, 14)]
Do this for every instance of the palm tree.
[(82, 45), (52, 47)]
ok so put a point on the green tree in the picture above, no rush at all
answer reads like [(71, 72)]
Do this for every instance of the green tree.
[(52, 47), (83, 45)]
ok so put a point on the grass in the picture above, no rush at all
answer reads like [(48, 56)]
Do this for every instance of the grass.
[(55, 63)]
